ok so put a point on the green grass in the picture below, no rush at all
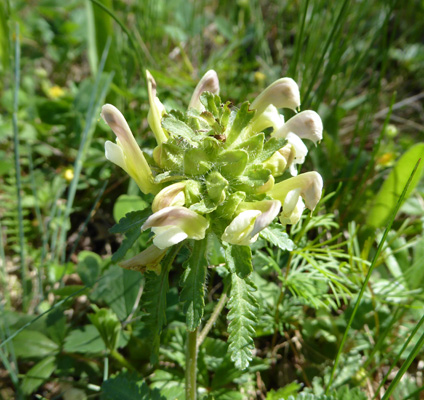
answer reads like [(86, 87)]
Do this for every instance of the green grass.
[(339, 315)]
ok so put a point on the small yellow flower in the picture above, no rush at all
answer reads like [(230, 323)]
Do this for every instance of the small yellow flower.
[(55, 92), (68, 174)]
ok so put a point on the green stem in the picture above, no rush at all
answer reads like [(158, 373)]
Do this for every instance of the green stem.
[(122, 360), (191, 364), (218, 308)]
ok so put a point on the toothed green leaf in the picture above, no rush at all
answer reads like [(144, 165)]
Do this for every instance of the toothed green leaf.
[(242, 320), (193, 282)]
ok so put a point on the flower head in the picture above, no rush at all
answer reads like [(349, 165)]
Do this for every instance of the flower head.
[(214, 169)]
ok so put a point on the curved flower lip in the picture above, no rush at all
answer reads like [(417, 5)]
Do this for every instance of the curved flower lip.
[(148, 259), (292, 208), (269, 210), (283, 93), (174, 224), (126, 153), (307, 125), (270, 117), (156, 110), (309, 183), (172, 195), (253, 217), (238, 232), (208, 83)]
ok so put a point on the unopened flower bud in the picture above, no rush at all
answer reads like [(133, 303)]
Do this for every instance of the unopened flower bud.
[(126, 153), (283, 93), (156, 111), (208, 83)]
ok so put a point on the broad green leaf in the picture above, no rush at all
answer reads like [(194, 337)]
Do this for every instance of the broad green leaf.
[(38, 374), (126, 203), (56, 325), (85, 339), (30, 344), (277, 237), (242, 319), (130, 225), (130, 221), (128, 386), (193, 283), (119, 289), (386, 199), (89, 267), (239, 260)]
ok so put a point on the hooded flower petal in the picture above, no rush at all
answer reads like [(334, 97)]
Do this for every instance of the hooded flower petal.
[(254, 216), (126, 153), (156, 111), (283, 93), (208, 83), (147, 260), (309, 183), (307, 125), (172, 195), (174, 224)]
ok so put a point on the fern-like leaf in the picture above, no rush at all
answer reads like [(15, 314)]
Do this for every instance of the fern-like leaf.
[(154, 302), (242, 319), (193, 282)]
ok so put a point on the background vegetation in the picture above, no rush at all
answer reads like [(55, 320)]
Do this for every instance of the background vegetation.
[(359, 64)]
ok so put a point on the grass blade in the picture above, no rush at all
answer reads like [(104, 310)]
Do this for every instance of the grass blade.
[(367, 278), (16, 76), (395, 361)]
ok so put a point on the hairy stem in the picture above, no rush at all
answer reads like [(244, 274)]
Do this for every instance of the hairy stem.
[(191, 364)]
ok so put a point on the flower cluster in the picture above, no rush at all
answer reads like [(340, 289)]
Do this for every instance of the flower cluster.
[(214, 168)]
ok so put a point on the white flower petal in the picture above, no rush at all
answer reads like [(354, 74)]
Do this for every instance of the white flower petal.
[(115, 154), (167, 236)]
